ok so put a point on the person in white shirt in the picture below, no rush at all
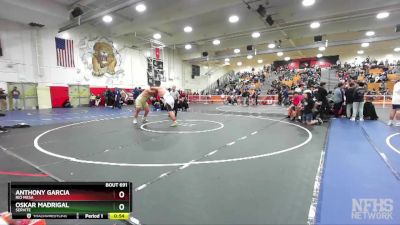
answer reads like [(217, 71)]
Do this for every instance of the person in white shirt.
[(175, 94), (395, 103)]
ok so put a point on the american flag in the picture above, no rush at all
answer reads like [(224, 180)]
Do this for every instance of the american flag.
[(65, 52)]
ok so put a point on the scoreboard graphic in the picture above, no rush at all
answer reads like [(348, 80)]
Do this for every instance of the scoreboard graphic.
[(70, 200)]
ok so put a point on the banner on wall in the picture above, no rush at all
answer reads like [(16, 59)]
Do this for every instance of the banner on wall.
[(65, 52), (101, 58)]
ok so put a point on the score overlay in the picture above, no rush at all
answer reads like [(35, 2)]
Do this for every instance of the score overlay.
[(70, 200)]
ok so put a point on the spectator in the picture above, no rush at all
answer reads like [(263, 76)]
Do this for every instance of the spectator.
[(358, 102), (67, 104), (97, 101), (295, 108), (15, 98), (117, 99), (175, 94), (395, 103), (349, 93), (321, 96), (338, 100), (136, 92), (369, 110), (92, 100), (245, 97)]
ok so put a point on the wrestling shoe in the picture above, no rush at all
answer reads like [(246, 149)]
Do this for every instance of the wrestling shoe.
[(134, 121), (174, 124)]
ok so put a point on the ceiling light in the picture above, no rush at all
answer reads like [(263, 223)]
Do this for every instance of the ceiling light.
[(382, 15), (360, 52), (287, 58), (115, 45), (396, 49), (236, 51), (272, 45), (255, 35), (260, 61), (322, 48), (157, 36), (279, 54), (233, 19), (370, 33), (389, 56), (227, 60), (308, 2), (206, 67), (216, 42), (319, 55), (239, 63), (249, 57), (107, 19), (364, 45), (188, 46), (188, 29), (140, 7), (315, 25)]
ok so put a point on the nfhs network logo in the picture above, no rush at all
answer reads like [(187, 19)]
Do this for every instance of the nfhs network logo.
[(372, 209)]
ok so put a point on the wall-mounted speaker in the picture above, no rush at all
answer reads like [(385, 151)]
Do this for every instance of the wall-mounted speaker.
[(249, 47), (76, 12), (205, 54)]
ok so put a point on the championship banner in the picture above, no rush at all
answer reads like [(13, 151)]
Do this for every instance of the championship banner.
[(157, 53), (155, 72)]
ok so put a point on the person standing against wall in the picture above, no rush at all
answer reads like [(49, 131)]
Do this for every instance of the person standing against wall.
[(117, 99), (175, 95), (15, 98)]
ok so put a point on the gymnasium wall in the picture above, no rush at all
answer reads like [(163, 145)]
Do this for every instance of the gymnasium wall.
[(22, 44)]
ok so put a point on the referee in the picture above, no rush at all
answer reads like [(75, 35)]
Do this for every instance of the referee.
[(175, 95)]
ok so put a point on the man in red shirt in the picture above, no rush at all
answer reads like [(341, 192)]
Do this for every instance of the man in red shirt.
[(294, 109)]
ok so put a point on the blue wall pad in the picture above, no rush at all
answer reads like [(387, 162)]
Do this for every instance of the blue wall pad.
[(358, 187)]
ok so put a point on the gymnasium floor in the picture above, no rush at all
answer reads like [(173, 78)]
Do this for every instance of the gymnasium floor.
[(222, 165)]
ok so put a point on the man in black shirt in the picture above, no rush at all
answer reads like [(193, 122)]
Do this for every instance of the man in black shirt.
[(321, 96), (308, 106), (3, 100), (245, 97)]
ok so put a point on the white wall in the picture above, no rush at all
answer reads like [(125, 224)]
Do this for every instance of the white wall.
[(16, 63)]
